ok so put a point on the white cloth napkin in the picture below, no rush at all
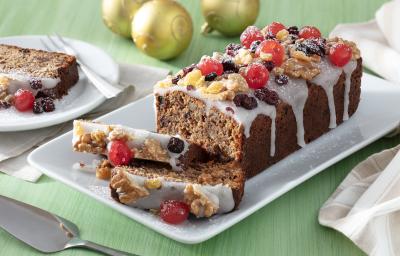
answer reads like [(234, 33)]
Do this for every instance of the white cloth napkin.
[(15, 146), (378, 40), (366, 205)]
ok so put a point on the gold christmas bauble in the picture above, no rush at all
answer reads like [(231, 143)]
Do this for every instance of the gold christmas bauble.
[(118, 14), (162, 29), (229, 17)]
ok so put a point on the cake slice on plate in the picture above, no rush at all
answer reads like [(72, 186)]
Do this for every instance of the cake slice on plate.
[(29, 76)]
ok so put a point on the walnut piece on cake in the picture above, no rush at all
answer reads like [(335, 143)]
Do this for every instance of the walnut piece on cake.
[(200, 205), (152, 150), (103, 170), (128, 191)]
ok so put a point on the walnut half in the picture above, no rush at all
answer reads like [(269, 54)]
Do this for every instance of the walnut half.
[(128, 191), (200, 205)]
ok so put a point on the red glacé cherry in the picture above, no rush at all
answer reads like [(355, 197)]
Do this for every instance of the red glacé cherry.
[(174, 212), (309, 32), (209, 65), (274, 28), (256, 75), (119, 153), (249, 35), (23, 100), (275, 49), (340, 54)]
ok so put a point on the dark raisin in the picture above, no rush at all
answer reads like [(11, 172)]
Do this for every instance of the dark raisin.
[(293, 30), (176, 79), (232, 48), (266, 95), (37, 106), (160, 100), (4, 104), (211, 76), (188, 69), (190, 87), (312, 46), (245, 101), (35, 84), (269, 36), (281, 79), (48, 104), (269, 65), (175, 145), (254, 45), (229, 65), (229, 109)]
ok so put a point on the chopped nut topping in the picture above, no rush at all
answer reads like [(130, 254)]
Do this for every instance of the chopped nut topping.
[(85, 143), (243, 57), (128, 191), (103, 170), (120, 134), (303, 57), (98, 137), (298, 68), (236, 83), (152, 150), (152, 183), (200, 205)]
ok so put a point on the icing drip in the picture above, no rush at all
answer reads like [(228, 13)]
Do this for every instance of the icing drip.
[(294, 93), (348, 70), (327, 79), (220, 194)]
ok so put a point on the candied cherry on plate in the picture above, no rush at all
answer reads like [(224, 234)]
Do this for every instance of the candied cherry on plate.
[(309, 32), (256, 75), (23, 100), (249, 35), (274, 48), (273, 28), (340, 54), (174, 212), (120, 153), (208, 65)]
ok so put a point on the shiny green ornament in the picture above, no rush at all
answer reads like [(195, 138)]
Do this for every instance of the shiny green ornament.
[(229, 17), (162, 29), (118, 15)]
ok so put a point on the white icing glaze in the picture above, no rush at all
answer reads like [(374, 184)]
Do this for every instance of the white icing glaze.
[(348, 69), (294, 93), (139, 136), (219, 194), (21, 81)]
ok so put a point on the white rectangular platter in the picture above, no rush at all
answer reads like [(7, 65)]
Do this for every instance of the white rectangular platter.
[(377, 115)]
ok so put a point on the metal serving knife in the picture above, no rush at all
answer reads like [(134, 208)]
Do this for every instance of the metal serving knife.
[(42, 230)]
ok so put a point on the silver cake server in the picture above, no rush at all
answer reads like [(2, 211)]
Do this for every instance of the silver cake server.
[(42, 230)]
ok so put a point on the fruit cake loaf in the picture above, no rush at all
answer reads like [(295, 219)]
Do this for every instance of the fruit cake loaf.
[(264, 99), (121, 144), (207, 188), (42, 73)]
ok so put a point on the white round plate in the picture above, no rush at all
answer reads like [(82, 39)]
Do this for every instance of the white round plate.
[(82, 97)]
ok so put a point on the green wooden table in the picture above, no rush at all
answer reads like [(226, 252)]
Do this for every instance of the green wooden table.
[(287, 226)]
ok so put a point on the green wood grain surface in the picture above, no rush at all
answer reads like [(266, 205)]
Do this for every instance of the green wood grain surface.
[(287, 226)]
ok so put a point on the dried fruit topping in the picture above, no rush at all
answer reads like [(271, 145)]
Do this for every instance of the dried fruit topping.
[(188, 69), (190, 87), (211, 76), (266, 95), (249, 35), (232, 48), (175, 145), (269, 65), (35, 84), (254, 45), (281, 79), (245, 101), (120, 153), (24, 100), (293, 30), (273, 28), (208, 65), (176, 79), (340, 54), (37, 106), (229, 66), (48, 104), (229, 109), (309, 32), (271, 50), (312, 46), (174, 212), (4, 104), (256, 75)]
